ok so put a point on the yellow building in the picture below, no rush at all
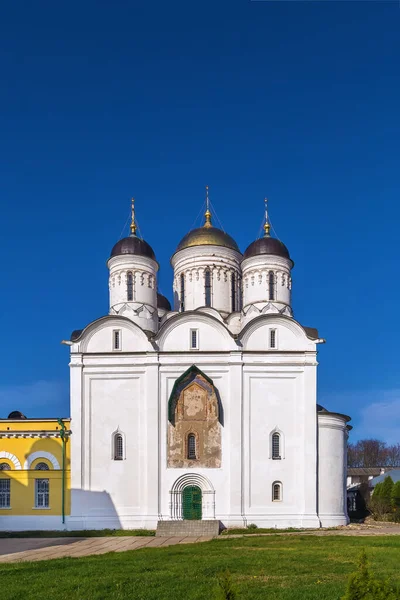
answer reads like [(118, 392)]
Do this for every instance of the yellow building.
[(34, 473)]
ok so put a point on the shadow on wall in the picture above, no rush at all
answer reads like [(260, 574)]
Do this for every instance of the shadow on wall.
[(92, 510), (41, 449)]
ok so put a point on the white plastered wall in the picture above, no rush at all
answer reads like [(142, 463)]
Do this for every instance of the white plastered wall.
[(261, 390), (332, 469)]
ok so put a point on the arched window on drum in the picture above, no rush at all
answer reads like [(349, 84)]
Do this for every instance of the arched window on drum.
[(129, 286), (271, 285), (207, 287)]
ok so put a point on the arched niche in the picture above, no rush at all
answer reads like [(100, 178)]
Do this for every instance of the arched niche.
[(194, 409), (192, 374)]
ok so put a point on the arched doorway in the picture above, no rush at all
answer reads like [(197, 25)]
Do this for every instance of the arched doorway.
[(192, 502), (195, 490)]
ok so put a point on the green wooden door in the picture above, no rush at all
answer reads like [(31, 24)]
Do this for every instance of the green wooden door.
[(191, 502)]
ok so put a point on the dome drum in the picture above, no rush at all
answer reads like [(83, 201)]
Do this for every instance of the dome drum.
[(267, 281), (221, 267), (133, 289)]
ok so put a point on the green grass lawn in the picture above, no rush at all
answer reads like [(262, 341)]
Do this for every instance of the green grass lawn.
[(273, 567)]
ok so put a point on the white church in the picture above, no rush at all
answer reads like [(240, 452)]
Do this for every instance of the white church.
[(207, 411)]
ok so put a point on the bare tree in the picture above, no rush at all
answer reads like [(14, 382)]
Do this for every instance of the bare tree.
[(393, 455), (373, 453)]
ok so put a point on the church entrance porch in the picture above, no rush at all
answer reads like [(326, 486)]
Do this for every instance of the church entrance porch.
[(191, 503), (192, 497)]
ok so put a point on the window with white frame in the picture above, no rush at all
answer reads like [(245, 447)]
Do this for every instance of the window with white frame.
[(272, 338), (41, 466), (277, 491), (194, 339), (118, 446), (42, 493), (5, 496), (276, 445), (5, 467), (117, 339)]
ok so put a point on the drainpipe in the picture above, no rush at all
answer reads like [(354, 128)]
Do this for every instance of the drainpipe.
[(62, 435)]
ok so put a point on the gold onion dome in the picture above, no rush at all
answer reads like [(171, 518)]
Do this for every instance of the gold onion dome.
[(212, 236), (207, 235)]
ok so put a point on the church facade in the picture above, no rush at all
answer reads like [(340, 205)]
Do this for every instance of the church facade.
[(207, 410)]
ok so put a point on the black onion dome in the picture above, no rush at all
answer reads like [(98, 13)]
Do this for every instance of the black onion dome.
[(267, 245), (16, 414), (133, 245), (163, 302)]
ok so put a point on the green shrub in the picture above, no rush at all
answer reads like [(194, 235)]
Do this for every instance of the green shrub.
[(395, 496), (387, 487), (252, 526), (364, 585), (380, 503), (226, 589), (378, 490)]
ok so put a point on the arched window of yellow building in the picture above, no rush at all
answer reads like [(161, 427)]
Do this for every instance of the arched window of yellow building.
[(42, 467), (5, 467)]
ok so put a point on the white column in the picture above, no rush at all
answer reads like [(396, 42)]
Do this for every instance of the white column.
[(150, 479), (233, 421), (76, 369), (309, 463), (74, 521)]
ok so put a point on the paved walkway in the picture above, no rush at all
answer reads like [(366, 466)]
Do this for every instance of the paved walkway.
[(20, 549), (348, 530), (27, 549)]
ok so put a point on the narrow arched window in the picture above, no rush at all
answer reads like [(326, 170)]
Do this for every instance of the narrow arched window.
[(276, 491), (271, 285), (233, 292), (129, 287), (272, 338), (207, 287), (5, 467), (42, 467), (182, 304), (276, 445), (191, 446), (118, 447)]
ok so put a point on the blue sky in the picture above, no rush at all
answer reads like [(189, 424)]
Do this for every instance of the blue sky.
[(294, 100)]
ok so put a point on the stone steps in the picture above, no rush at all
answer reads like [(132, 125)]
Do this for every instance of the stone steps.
[(186, 528)]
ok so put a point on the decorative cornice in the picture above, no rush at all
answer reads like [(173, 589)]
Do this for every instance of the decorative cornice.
[(33, 434)]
